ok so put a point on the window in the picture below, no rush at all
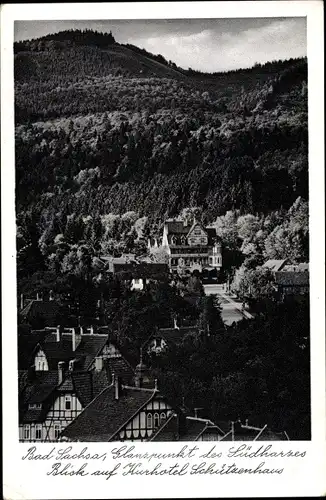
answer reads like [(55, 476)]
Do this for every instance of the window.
[(156, 420), (38, 431), (67, 402), (57, 430), (163, 418), (149, 421), (136, 281), (35, 406), (27, 431)]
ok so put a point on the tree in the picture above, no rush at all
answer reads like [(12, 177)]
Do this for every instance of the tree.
[(254, 284)]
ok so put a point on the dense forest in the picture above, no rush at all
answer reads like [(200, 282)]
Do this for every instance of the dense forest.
[(111, 140), (103, 132)]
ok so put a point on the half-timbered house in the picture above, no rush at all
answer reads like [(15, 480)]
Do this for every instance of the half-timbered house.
[(191, 246), (49, 398), (120, 413)]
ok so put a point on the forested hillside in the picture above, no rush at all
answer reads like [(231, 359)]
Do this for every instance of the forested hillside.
[(104, 129)]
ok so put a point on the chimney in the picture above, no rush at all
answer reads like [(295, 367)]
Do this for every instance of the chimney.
[(76, 338), (247, 422), (116, 388), (58, 333), (232, 431), (37, 296), (22, 301), (91, 330), (60, 371), (51, 297), (197, 412), (155, 385), (98, 363)]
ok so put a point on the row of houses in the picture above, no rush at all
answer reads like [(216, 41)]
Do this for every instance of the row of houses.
[(77, 385)]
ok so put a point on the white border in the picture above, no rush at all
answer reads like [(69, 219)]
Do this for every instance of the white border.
[(305, 477)]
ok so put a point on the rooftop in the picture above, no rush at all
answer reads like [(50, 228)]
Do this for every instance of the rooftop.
[(292, 278), (274, 264), (102, 419)]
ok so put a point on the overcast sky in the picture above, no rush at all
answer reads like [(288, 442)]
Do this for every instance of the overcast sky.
[(203, 44)]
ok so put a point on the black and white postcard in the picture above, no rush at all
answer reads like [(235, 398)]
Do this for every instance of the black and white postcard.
[(163, 255)]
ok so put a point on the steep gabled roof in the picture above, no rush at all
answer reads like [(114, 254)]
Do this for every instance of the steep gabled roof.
[(48, 310), (194, 428), (169, 431), (194, 224), (85, 384), (90, 346), (251, 433), (121, 369), (274, 264), (102, 419), (174, 335), (190, 430), (56, 351), (176, 227), (26, 346), (269, 435)]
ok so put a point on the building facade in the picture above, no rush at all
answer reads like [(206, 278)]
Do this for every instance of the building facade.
[(191, 246)]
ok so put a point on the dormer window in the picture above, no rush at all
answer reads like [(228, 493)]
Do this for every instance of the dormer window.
[(35, 406)]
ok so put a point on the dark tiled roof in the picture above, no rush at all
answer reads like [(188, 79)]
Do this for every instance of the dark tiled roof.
[(175, 334), (48, 310), (89, 347), (268, 435), (105, 415), (292, 278), (26, 346), (57, 351), (177, 228), (190, 429), (250, 433), (194, 428), (40, 388), (121, 368), (141, 270), (169, 431), (85, 384), (86, 351)]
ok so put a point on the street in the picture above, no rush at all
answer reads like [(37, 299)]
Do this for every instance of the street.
[(231, 307)]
